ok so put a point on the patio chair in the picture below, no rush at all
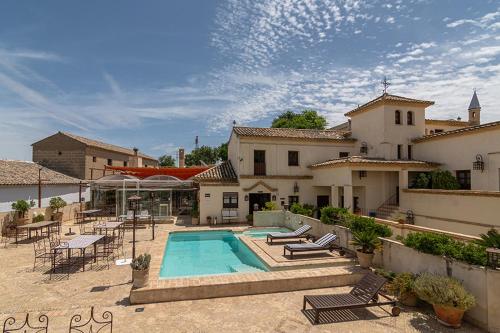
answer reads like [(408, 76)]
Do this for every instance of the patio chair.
[(7, 231), (40, 325), (103, 324), (322, 244), (86, 228), (299, 233), (364, 294), (105, 250), (117, 244), (144, 215)]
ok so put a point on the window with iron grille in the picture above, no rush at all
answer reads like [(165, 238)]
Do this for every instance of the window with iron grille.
[(463, 178), (409, 118), (293, 158), (400, 152), (410, 152), (110, 161), (397, 117), (343, 154), (293, 199), (94, 159), (230, 200)]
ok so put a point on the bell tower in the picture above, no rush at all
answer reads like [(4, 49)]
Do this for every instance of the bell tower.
[(474, 111)]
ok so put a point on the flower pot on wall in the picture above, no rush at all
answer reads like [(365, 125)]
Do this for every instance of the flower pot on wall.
[(449, 316), (408, 299), (140, 278), (365, 259)]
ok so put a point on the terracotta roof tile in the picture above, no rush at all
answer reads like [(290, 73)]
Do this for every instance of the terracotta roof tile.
[(26, 173), (293, 133), (449, 122), (388, 98), (460, 131), (106, 146), (359, 160), (223, 172)]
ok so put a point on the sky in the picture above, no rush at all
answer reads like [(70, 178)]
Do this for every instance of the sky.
[(156, 74)]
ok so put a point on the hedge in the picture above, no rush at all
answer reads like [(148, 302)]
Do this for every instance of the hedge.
[(305, 209), (444, 245)]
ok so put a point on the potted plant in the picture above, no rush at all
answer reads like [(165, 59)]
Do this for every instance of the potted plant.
[(447, 295), (140, 270), (366, 241), (55, 204), (403, 287), (38, 217), (209, 220), (21, 207), (250, 218)]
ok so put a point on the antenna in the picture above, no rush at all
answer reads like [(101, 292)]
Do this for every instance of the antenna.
[(196, 142), (386, 84)]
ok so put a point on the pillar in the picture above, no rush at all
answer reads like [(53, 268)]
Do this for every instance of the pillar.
[(334, 196), (348, 202)]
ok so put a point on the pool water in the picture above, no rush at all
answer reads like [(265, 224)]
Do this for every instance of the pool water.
[(262, 232), (207, 253)]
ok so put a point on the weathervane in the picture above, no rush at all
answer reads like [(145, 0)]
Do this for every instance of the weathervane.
[(386, 84)]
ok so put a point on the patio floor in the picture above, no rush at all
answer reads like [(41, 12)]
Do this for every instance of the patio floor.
[(23, 290)]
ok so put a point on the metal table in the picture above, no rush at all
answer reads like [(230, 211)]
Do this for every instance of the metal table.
[(80, 243), (35, 226), (108, 226), (89, 213)]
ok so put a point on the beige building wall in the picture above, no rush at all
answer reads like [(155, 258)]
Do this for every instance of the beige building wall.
[(430, 128), (458, 152)]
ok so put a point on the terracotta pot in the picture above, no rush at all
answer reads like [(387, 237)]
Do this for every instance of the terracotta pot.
[(408, 299), (364, 259), (449, 316), (140, 278)]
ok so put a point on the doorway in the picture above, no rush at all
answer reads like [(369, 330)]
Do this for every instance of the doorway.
[(321, 201), (258, 199)]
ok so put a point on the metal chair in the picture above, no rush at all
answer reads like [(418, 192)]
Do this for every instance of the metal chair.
[(92, 325), (40, 327)]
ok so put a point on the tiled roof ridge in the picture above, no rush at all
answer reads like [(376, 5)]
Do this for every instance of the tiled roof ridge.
[(457, 131), (389, 97), (15, 172)]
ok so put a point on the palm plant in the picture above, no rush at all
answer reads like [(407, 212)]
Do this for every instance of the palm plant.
[(366, 240), (490, 239)]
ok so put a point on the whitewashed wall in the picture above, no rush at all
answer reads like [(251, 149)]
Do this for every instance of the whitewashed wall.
[(10, 194)]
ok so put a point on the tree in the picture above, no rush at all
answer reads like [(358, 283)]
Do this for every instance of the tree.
[(166, 161), (444, 180), (207, 155), (222, 152), (306, 119)]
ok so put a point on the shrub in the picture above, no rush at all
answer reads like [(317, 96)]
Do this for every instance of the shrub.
[(490, 239), (22, 207), (361, 223), (403, 283), (366, 240), (422, 181), (141, 263), (444, 180), (444, 245), (332, 215), (270, 205), (57, 203), (444, 291), (305, 209), (38, 217)]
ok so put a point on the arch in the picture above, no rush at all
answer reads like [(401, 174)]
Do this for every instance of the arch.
[(397, 117)]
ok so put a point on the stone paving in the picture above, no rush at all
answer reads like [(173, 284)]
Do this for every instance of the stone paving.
[(24, 290)]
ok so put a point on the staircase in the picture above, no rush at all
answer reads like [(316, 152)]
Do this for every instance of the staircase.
[(243, 268), (389, 210)]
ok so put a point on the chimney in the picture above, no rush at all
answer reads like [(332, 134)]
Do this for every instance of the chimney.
[(136, 161), (136, 150), (182, 163)]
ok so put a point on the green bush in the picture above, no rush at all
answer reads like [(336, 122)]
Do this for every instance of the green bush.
[(444, 291), (38, 217), (362, 223), (305, 209), (403, 283), (57, 203), (490, 239), (22, 207), (422, 181), (270, 205), (444, 180), (444, 245), (332, 215)]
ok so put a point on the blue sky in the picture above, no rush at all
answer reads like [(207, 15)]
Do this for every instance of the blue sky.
[(154, 74)]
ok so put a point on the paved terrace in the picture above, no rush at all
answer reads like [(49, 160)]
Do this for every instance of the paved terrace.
[(23, 290)]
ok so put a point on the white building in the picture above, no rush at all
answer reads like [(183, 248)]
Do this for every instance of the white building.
[(367, 165), (20, 180)]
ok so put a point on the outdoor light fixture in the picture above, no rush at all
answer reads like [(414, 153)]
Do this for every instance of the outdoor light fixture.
[(295, 188), (246, 197), (273, 197), (364, 148), (133, 205), (478, 164)]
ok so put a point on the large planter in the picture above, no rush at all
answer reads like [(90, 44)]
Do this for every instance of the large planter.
[(449, 316), (408, 299), (365, 259), (140, 278)]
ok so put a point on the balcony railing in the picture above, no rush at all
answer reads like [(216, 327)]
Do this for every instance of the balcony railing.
[(259, 169)]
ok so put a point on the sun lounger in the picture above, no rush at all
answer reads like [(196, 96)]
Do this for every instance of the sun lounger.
[(299, 233), (322, 244), (364, 294)]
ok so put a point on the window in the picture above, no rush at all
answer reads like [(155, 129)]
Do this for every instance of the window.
[(259, 162), (409, 118), (438, 130), (397, 117), (400, 152), (230, 200), (293, 199), (125, 163), (343, 154), (110, 161), (410, 152), (463, 178), (94, 159), (293, 158)]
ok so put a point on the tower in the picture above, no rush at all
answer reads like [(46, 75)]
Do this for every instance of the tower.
[(474, 111)]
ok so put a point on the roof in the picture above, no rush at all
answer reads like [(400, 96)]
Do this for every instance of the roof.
[(180, 173), (26, 173), (460, 131), (104, 145), (223, 173), (474, 103), (449, 122), (388, 99), (360, 161), (293, 133)]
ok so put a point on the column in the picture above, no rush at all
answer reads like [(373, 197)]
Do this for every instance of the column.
[(348, 202), (334, 196)]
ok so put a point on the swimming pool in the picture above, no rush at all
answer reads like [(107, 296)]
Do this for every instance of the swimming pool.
[(262, 232), (207, 253)]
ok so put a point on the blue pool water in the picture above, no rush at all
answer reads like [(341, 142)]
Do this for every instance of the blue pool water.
[(262, 232), (207, 253)]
